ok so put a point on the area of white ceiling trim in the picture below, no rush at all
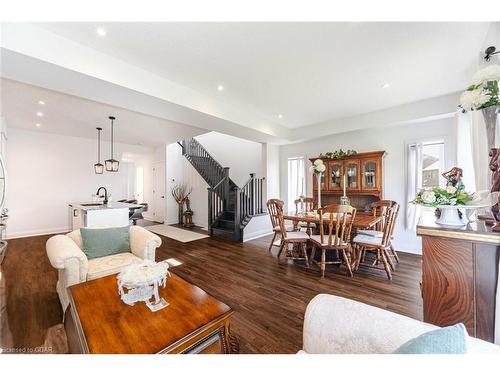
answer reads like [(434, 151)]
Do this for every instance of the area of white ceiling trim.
[(35, 72), (36, 42), (75, 116)]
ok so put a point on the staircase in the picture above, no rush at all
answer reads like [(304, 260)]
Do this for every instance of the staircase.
[(230, 207)]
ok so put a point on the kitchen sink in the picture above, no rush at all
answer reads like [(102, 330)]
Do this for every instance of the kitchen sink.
[(92, 204)]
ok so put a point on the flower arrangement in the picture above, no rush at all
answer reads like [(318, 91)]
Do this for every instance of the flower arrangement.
[(337, 154), (450, 195), (483, 92), (318, 166)]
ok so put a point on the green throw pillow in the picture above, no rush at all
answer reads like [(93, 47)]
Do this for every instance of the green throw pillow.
[(99, 243), (447, 340)]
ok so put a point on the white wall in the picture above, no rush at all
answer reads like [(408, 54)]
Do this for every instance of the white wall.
[(240, 155), (179, 170), (47, 171), (390, 139)]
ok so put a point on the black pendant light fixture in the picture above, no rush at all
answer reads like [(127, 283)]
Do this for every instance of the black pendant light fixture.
[(112, 165), (98, 167)]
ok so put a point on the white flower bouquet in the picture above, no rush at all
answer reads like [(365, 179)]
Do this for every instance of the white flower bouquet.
[(449, 196), (483, 92), (318, 166)]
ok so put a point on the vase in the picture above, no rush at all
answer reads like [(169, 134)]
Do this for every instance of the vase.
[(451, 217), (490, 115), (318, 176)]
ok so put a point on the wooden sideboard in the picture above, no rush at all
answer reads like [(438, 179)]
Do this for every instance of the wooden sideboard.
[(365, 178), (459, 275)]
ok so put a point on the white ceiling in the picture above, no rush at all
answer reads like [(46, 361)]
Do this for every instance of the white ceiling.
[(75, 116), (309, 72)]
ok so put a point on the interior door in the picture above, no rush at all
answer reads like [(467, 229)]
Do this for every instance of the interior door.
[(158, 209)]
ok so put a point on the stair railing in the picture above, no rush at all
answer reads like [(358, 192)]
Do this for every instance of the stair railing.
[(249, 199), (218, 199), (210, 169)]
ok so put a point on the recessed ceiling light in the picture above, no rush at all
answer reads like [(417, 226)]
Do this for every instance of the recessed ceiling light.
[(38, 125), (220, 88), (41, 102), (101, 31), (386, 85), (280, 115), (39, 114)]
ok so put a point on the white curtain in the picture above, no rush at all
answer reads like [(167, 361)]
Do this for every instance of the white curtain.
[(296, 180), (413, 182)]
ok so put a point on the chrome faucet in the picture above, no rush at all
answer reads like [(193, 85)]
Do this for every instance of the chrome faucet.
[(105, 201)]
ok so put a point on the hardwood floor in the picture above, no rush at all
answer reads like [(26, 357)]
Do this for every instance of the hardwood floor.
[(269, 298)]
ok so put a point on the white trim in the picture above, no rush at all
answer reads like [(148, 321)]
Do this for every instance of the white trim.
[(258, 234), (37, 232)]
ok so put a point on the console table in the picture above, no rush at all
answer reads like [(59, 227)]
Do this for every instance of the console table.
[(98, 322), (459, 275)]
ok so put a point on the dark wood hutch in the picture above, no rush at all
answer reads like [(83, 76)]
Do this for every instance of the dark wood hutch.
[(364, 173)]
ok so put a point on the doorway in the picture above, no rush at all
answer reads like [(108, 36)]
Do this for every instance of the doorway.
[(158, 209)]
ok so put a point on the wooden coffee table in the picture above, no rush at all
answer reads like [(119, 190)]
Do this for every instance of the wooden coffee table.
[(97, 321)]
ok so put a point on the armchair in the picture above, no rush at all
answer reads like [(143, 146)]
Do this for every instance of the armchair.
[(66, 255)]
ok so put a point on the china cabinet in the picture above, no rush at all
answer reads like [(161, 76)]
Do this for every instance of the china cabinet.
[(361, 173)]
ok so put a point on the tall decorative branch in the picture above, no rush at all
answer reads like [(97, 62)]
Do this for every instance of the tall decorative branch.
[(180, 193)]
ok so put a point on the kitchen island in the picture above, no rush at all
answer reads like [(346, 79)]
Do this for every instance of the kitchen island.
[(89, 214)]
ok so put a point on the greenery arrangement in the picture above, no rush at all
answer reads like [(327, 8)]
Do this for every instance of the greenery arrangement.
[(337, 154), (442, 196)]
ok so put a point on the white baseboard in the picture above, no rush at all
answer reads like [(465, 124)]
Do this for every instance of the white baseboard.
[(255, 235), (37, 232)]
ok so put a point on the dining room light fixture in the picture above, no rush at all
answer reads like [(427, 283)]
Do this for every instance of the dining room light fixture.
[(98, 167), (112, 164)]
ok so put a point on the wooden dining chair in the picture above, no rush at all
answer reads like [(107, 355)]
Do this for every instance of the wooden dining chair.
[(298, 240), (377, 243), (339, 220), (308, 207), (379, 209), (273, 207)]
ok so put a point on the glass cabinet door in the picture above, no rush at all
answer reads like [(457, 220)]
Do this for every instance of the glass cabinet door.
[(323, 181), (370, 177), (352, 172), (335, 174)]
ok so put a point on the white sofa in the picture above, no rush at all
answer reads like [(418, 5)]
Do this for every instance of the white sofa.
[(66, 255), (336, 325)]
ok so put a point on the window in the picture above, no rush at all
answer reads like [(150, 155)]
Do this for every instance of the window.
[(139, 184), (296, 180), (432, 164)]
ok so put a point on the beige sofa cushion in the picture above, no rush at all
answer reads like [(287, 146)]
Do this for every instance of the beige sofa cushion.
[(100, 267)]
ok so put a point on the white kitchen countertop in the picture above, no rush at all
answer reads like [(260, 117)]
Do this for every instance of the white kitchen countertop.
[(109, 206)]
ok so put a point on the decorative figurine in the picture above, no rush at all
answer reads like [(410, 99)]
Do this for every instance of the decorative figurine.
[(454, 177), (140, 281)]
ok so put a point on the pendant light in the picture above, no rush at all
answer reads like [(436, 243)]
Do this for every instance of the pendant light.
[(112, 165), (98, 168)]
